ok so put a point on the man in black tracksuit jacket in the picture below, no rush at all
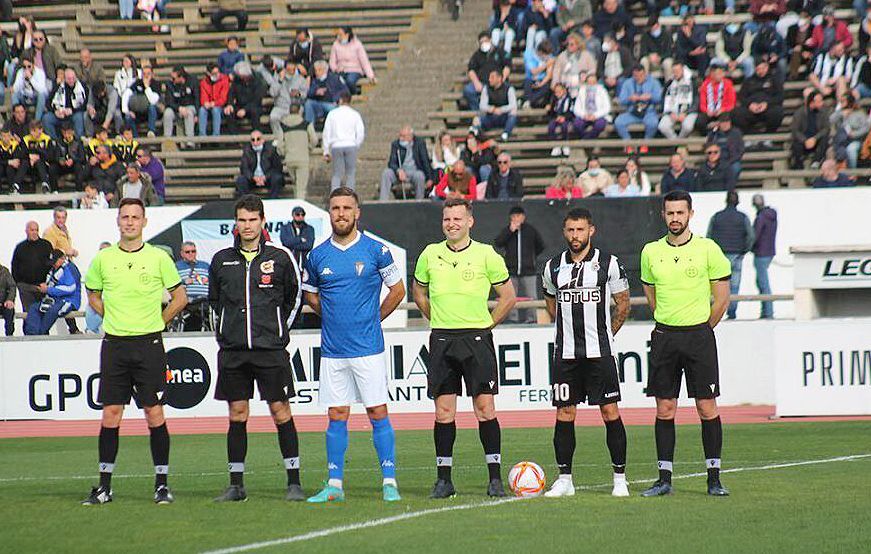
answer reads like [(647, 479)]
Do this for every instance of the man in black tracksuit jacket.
[(520, 244), (254, 287)]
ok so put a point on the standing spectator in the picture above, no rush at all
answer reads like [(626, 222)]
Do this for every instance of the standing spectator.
[(571, 64), (563, 186), (297, 151), (716, 96), (194, 276), (342, 138), (305, 50), (594, 179), (498, 106), (829, 32), (289, 92), (611, 16), (457, 183), (13, 161), (70, 158), (732, 231), (102, 109), (30, 88), (657, 49), (408, 166), (214, 91), (851, 125), (733, 48), (592, 109), (713, 174), (260, 167), (506, 183), (809, 132), (30, 263), (760, 101), (245, 100), (569, 16), (520, 244), (298, 236), (539, 64), (560, 114), (832, 71), (63, 294), (622, 188), (691, 46), (230, 8), (798, 45), (484, 61), (141, 99), (69, 103), (830, 177), (479, 157), (639, 97), (731, 142), (105, 169), (181, 98), (43, 55), (7, 300), (680, 106), (323, 92), (41, 154), (19, 123), (505, 26), (134, 184), (348, 59), (638, 176), (228, 59), (678, 176), (765, 233), (155, 170)]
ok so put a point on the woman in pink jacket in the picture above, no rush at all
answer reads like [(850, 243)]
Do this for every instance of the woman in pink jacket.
[(348, 58)]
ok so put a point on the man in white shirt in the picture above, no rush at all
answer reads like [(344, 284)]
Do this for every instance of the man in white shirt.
[(342, 137), (30, 88)]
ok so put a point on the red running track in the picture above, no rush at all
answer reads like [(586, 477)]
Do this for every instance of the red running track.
[(517, 419)]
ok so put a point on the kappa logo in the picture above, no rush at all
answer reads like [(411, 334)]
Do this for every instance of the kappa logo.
[(331, 465), (358, 267), (267, 266), (326, 271), (387, 463), (384, 250)]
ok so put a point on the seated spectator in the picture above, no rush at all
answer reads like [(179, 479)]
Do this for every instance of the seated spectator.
[(125, 146), (592, 110), (68, 104), (13, 161), (615, 63), (228, 59), (830, 177), (71, 158), (860, 84), (622, 187), (484, 61), (479, 157), (563, 186), (594, 180), (134, 184), (102, 109), (30, 88), (864, 24), (768, 45), (765, 12), (678, 176), (194, 276), (19, 123), (43, 54), (323, 93), (639, 97), (657, 49), (731, 142), (573, 62), (716, 96), (348, 59), (680, 106), (760, 101), (181, 99), (148, 11), (798, 40), (58, 80), (561, 116), (733, 48), (691, 46), (105, 170), (610, 16), (541, 21), (342, 138), (214, 91), (305, 50), (126, 9), (141, 100), (809, 132), (591, 42), (506, 183), (230, 8), (63, 294), (498, 106), (94, 199), (829, 32), (832, 71), (444, 154), (100, 138), (569, 15), (260, 167), (289, 92), (539, 64), (457, 183), (851, 124), (126, 75), (637, 176), (154, 168), (245, 100), (713, 174), (41, 154), (504, 26), (409, 170), (269, 70)]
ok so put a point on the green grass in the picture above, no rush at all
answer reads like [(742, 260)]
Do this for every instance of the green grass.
[(811, 508)]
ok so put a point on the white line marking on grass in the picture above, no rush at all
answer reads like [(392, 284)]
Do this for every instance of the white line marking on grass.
[(420, 513)]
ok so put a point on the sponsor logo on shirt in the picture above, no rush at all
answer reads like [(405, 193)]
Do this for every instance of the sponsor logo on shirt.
[(582, 295)]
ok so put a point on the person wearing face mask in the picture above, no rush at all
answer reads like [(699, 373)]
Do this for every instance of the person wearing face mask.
[(484, 61), (594, 179), (733, 48), (260, 167), (656, 48), (289, 91), (615, 64), (349, 60), (800, 54), (408, 167), (214, 89), (245, 100), (305, 50)]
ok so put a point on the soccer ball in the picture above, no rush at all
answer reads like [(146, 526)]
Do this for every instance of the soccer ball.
[(526, 479)]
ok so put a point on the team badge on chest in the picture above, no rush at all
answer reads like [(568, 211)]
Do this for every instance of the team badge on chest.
[(358, 267), (267, 266)]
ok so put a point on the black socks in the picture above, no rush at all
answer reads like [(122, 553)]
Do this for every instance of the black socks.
[(237, 448), (108, 451), (288, 442), (712, 442), (615, 436), (564, 445), (444, 435), (665, 438), (491, 439), (160, 453)]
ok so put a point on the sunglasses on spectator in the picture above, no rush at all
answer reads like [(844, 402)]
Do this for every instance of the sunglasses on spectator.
[(194, 251), (38, 39), (502, 162), (256, 139), (710, 152)]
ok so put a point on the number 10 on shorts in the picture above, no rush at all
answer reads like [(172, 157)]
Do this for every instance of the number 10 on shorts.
[(561, 392)]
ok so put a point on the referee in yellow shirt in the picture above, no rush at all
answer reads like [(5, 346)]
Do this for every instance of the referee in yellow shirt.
[(680, 272), (452, 282)]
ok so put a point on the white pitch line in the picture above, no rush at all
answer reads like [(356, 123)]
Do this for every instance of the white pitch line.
[(412, 515)]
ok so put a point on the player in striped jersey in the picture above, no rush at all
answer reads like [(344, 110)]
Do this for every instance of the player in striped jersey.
[(578, 286)]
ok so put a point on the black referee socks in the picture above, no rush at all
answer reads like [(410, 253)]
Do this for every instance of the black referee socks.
[(615, 436), (564, 445), (288, 442), (444, 435), (664, 431), (107, 446), (491, 440), (237, 448), (712, 442), (160, 453)]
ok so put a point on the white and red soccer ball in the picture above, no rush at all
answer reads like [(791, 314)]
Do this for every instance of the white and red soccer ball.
[(526, 480)]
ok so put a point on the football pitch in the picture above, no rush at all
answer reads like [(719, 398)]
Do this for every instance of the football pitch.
[(796, 486)]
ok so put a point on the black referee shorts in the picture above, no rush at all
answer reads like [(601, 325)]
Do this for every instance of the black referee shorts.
[(676, 350), (593, 380), (462, 355), (132, 366), (239, 369)]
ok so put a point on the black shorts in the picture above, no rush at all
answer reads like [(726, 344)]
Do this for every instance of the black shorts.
[(593, 380), (457, 355), (238, 369), (676, 350), (132, 366)]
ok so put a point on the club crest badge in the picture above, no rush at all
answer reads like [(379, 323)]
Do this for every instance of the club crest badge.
[(267, 266)]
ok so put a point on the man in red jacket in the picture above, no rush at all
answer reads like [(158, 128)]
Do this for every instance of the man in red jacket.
[(214, 89), (829, 31), (716, 96)]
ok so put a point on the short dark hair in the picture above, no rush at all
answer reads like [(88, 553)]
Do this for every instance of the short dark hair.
[(454, 202), (251, 203), (131, 202), (677, 196), (345, 98), (579, 213), (732, 197), (483, 34), (344, 191)]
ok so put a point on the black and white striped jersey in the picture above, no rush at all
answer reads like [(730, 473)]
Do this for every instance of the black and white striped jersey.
[(583, 293)]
